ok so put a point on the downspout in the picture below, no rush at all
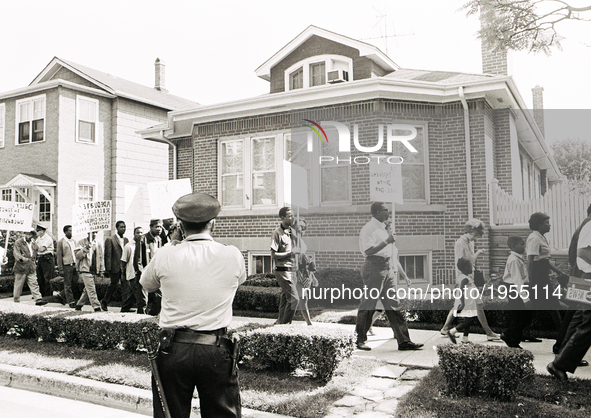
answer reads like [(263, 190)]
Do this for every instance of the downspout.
[(468, 154), (174, 156)]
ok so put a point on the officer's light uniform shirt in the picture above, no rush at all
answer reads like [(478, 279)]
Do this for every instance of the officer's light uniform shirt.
[(584, 242), (45, 241), (198, 279)]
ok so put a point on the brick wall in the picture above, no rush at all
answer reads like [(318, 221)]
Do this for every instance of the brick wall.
[(427, 227)]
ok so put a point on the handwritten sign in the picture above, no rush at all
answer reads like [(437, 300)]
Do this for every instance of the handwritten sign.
[(385, 181), (163, 194), (16, 216), (295, 185), (91, 216)]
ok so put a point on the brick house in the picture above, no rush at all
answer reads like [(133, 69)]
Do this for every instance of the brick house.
[(70, 137), (471, 129)]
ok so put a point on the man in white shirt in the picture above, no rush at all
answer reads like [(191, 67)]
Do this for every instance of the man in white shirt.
[(131, 274), (198, 279), (46, 263), (379, 272)]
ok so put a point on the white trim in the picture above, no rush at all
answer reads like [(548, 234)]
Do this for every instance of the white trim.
[(328, 60), (2, 125), (247, 171), (252, 265), (80, 98), (427, 266), (32, 100), (365, 50), (86, 183)]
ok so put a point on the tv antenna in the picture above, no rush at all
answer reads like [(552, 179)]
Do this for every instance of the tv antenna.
[(383, 17)]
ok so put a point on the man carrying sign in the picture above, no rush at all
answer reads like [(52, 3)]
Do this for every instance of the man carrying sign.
[(89, 262), (25, 254), (578, 336)]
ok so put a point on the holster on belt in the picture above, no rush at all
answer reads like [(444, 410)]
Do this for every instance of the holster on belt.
[(235, 353), (166, 338)]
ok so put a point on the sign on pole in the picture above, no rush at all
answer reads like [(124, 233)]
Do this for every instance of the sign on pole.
[(91, 216), (16, 216), (295, 185), (163, 194), (385, 181)]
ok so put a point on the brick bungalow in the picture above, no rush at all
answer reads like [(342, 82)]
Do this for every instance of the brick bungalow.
[(471, 129)]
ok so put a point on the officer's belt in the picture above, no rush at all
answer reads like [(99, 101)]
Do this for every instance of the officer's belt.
[(187, 336)]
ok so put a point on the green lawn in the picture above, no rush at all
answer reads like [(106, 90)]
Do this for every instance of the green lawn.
[(295, 394), (544, 397)]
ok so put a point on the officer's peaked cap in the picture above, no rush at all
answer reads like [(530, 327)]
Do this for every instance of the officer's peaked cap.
[(196, 207)]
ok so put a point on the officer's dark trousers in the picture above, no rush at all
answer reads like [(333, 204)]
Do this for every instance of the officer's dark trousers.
[(207, 367), (375, 276), (45, 268)]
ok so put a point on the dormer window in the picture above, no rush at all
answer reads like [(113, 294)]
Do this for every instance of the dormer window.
[(317, 74), (296, 79), (319, 71)]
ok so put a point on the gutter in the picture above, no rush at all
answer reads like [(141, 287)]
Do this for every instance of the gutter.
[(468, 154), (163, 139)]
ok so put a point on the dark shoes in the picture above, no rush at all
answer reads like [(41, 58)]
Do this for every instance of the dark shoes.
[(78, 307), (40, 302), (97, 309), (556, 372), (103, 306), (583, 363), (363, 346), (72, 305), (127, 310), (140, 311), (509, 343), (451, 337), (531, 340), (408, 346)]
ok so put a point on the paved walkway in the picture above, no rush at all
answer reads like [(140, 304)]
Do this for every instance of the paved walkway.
[(377, 397)]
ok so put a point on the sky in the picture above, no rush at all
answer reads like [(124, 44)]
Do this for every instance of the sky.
[(212, 48)]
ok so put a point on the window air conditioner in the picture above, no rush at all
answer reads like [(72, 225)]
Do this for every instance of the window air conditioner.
[(337, 76)]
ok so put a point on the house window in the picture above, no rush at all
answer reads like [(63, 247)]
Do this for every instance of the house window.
[(7, 195), (260, 263), (296, 79), (318, 70), (87, 117), (415, 266), (44, 209), (249, 172), (2, 130), (317, 74), (415, 167), (85, 193), (31, 120)]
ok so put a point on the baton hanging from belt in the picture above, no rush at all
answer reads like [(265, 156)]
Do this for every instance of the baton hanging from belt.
[(152, 355)]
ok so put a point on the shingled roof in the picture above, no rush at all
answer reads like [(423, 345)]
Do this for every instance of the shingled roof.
[(116, 86)]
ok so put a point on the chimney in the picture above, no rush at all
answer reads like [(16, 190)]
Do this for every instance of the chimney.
[(538, 99), (160, 80), (493, 62)]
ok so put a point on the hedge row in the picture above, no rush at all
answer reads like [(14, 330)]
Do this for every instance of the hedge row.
[(285, 347), (494, 371), (290, 347)]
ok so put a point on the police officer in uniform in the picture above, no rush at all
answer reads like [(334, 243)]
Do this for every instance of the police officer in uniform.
[(198, 278)]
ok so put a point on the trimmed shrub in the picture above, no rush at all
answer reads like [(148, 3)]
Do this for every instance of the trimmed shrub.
[(494, 371), (261, 280), (289, 347), (256, 298)]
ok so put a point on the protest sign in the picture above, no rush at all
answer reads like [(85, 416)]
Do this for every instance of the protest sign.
[(16, 216), (295, 185), (385, 181), (163, 194), (91, 216)]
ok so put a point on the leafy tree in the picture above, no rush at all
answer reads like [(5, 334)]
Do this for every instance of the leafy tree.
[(573, 157), (524, 24)]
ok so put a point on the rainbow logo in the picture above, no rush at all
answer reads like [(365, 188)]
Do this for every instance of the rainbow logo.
[(316, 130)]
